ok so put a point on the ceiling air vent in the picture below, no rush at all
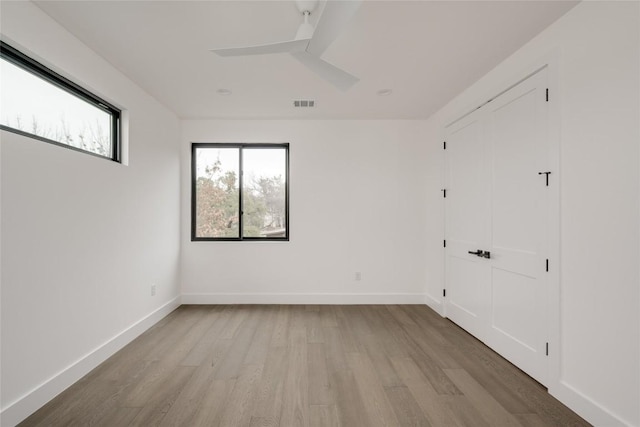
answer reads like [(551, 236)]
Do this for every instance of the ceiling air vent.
[(304, 103)]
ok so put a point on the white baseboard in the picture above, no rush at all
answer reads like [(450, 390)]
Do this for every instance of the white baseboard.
[(435, 304), (38, 397), (585, 407), (310, 298)]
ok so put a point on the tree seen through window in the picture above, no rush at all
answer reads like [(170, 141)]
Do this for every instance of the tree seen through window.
[(240, 192)]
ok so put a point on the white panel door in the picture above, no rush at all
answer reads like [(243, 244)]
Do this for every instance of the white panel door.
[(517, 131), (497, 202), (467, 225)]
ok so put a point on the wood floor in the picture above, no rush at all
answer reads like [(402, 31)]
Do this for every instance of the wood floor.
[(310, 366)]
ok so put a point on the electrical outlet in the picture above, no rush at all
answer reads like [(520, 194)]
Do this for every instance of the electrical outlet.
[(153, 290), (358, 276)]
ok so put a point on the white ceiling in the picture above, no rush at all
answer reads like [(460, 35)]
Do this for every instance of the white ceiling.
[(425, 51)]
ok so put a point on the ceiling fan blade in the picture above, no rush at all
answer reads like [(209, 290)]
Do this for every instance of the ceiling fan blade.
[(334, 18), (334, 75), (282, 47)]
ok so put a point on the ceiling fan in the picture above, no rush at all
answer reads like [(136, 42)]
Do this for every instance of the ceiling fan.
[(309, 43)]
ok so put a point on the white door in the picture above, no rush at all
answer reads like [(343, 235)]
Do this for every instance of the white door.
[(506, 287), (467, 225)]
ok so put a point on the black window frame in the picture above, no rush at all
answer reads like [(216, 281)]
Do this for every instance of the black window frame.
[(240, 147), (30, 65)]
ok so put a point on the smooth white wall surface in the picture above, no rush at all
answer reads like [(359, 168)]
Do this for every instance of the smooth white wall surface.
[(83, 238), (357, 203), (597, 48)]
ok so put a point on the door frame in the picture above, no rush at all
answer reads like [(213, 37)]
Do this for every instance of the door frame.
[(550, 61)]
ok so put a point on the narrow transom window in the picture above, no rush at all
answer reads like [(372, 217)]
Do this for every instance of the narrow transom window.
[(239, 191), (41, 104)]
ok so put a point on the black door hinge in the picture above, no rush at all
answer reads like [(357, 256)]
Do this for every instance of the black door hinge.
[(547, 266), (444, 243), (444, 145), (444, 292), (547, 94), (547, 349), (444, 192)]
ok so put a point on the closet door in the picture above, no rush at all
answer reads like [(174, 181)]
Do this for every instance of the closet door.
[(468, 225), (517, 130), (496, 203)]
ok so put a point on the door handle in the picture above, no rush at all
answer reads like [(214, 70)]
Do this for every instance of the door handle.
[(481, 253)]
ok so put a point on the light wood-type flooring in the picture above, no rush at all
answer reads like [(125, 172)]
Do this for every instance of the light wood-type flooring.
[(262, 365)]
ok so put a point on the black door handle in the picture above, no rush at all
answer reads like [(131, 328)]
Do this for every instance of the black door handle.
[(481, 253)]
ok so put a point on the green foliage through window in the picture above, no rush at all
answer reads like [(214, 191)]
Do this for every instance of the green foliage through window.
[(240, 191)]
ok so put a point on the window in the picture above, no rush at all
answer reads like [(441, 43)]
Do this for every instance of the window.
[(41, 104), (240, 191)]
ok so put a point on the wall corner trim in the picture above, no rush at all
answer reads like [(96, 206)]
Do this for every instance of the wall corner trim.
[(436, 304), (20, 409)]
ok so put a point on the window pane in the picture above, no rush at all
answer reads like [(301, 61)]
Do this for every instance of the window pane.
[(33, 105), (217, 192), (263, 192)]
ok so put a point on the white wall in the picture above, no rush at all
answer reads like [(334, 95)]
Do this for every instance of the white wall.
[(357, 204), (82, 238), (597, 46)]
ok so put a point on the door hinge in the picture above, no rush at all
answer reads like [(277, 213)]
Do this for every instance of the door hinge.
[(547, 264), (444, 292), (547, 349), (547, 95), (444, 145), (444, 243), (444, 192)]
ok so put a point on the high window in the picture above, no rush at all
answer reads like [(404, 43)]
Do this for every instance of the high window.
[(39, 103), (240, 191)]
